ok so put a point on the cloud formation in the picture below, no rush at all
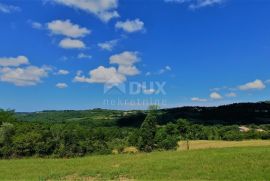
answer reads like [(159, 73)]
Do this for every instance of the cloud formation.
[(197, 99), (111, 75), (108, 45), (255, 85), (13, 61), (215, 96), (105, 10), (126, 58), (69, 43), (108, 76), (66, 28), (196, 4), (130, 26), (27, 76)]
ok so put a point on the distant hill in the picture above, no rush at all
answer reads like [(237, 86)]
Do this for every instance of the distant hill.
[(240, 113)]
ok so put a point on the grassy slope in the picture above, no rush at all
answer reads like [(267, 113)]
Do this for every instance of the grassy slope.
[(245, 163)]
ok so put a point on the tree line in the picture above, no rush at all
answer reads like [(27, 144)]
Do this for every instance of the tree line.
[(48, 139)]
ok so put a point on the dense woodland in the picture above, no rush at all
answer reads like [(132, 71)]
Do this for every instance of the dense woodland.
[(79, 133)]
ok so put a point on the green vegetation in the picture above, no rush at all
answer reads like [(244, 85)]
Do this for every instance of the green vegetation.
[(21, 138), (41, 139), (212, 164)]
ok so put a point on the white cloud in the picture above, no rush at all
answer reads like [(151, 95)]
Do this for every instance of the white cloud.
[(130, 26), (196, 4), (126, 58), (108, 45), (28, 76), (68, 43), (215, 95), (231, 94), (13, 61), (61, 85), (112, 76), (108, 76), (128, 70), (66, 28), (126, 61), (255, 85), (83, 55), (62, 72), (197, 99), (103, 9), (4, 8)]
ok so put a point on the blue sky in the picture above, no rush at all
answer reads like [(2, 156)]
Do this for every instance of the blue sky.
[(67, 54)]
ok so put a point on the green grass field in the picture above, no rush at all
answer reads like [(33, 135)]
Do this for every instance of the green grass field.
[(239, 163)]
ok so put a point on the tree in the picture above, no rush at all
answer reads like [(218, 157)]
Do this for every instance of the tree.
[(6, 116), (184, 129), (146, 141)]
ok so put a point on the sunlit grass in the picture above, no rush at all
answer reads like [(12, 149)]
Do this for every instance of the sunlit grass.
[(247, 163)]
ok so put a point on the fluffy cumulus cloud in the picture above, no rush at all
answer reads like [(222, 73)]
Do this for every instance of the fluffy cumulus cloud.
[(126, 61), (126, 58), (108, 45), (66, 28), (111, 75), (215, 96), (130, 26), (197, 99), (25, 76), (13, 61), (103, 9), (18, 71), (255, 85), (4, 8), (69, 43), (61, 85), (128, 70), (196, 4), (108, 76)]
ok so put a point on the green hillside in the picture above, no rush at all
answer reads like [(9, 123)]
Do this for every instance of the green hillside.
[(242, 113)]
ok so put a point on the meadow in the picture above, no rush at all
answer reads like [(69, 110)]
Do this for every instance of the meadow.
[(250, 162)]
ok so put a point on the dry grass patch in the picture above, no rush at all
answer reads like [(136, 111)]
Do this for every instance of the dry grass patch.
[(206, 144)]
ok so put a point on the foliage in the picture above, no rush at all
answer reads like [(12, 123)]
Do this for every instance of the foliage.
[(73, 138), (146, 140)]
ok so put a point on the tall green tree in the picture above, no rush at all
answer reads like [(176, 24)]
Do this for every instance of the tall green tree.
[(146, 141)]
